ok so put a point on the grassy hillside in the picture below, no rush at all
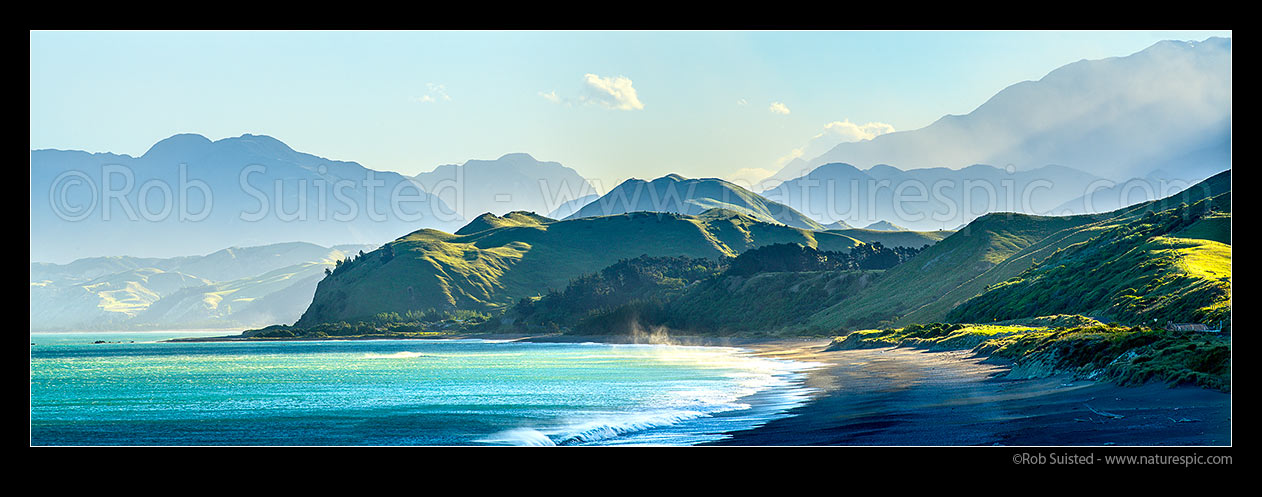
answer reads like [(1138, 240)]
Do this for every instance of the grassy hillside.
[(769, 303), (491, 221), (584, 305), (925, 288), (1134, 271), (491, 269), (999, 247)]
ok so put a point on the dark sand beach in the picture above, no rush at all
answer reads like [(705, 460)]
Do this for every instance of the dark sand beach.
[(910, 397)]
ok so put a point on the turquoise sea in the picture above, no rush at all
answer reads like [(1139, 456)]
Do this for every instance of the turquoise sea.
[(136, 389)]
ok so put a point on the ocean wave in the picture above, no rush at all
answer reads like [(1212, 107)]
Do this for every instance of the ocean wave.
[(396, 355), (523, 437), (752, 391), (600, 430)]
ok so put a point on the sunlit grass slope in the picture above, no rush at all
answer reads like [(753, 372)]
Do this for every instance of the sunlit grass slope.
[(491, 221), (996, 248), (928, 285), (1131, 272)]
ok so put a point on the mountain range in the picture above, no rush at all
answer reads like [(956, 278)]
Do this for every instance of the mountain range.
[(187, 193), (929, 198), (1166, 108), (233, 287)]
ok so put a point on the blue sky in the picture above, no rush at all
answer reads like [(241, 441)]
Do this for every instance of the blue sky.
[(704, 103)]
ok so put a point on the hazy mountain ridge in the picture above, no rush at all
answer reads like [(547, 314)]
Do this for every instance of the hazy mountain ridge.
[(513, 182), (931, 198), (234, 287), (1166, 107), (260, 192), (691, 196)]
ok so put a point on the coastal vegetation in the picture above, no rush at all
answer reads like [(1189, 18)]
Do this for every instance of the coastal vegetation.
[(1087, 349), (1133, 273), (410, 324)]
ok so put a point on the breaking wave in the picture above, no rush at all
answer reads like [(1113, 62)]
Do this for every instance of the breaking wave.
[(396, 355), (759, 391)]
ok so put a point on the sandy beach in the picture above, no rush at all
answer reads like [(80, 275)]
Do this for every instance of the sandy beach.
[(909, 397)]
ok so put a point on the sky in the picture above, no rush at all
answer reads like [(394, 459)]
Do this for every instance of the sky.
[(611, 105)]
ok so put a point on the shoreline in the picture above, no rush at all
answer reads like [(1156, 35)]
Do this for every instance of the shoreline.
[(916, 397), (902, 396)]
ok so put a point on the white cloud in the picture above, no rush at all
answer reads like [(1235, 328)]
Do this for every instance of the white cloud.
[(779, 108), (749, 176), (612, 92), (846, 131), (434, 92), (551, 96), (834, 133), (785, 159), (742, 102)]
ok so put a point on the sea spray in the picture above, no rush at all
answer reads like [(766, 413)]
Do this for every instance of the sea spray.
[(524, 437)]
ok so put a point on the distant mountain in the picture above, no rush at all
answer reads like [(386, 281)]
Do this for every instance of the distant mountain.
[(885, 226), (928, 199), (1167, 107), (514, 182), (838, 225), (489, 269), (234, 287), (188, 193), (569, 208), (674, 193), (1110, 196)]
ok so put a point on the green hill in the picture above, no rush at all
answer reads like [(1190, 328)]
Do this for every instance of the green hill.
[(491, 221), (1137, 271), (493, 268), (692, 196), (928, 284), (997, 248)]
